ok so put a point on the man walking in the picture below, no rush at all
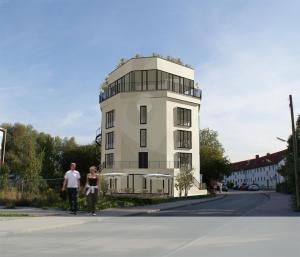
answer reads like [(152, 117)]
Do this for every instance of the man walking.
[(72, 183)]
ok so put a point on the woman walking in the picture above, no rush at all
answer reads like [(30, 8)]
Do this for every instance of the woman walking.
[(92, 185)]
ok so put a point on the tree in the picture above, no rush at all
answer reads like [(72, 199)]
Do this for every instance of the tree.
[(184, 181), (214, 163), (287, 170), (84, 156), (31, 155)]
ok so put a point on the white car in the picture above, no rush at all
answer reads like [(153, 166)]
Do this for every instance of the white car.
[(253, 187)]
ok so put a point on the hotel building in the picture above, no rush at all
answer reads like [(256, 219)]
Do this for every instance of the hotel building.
[(150, 127)]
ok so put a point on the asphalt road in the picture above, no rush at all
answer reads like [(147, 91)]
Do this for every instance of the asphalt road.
[(233, 204), (232, 226)]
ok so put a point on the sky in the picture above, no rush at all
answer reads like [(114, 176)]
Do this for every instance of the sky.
[(246, 55)]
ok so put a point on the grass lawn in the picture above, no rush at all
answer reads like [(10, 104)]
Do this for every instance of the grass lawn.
[(13, 215)]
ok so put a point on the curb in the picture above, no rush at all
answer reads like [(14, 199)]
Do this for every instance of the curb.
[(216, 198)]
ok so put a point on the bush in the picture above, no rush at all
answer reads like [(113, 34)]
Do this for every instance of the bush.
[(283, 187)]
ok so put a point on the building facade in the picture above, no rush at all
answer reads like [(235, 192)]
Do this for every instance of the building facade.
[(262, 171), (150, 127)]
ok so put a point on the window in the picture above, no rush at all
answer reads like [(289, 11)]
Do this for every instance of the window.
[(184, 139), (184, 117), (164, 80), (143, 160), (170, 82), (110, 119), (145, 183), (138, 80), (127, 83), (176, 84), (143, 114), (151, 79), (143, 138), (184, 161), (145, 84), (186, 86), (109, 140), (109, 160), (159, 80)]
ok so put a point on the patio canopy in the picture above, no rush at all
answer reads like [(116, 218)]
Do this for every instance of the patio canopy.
[(157, 175), (115, 174)]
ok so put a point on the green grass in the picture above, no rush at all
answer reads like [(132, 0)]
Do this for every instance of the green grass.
[(51, 199), (11, 214)]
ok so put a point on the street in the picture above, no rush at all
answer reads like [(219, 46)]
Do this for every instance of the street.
[(240, 224)]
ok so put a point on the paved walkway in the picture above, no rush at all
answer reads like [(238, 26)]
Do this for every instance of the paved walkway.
[(112, 212)]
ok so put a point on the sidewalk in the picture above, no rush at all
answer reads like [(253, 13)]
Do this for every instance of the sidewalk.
[(113, 212), (133, 211), (278, 205)]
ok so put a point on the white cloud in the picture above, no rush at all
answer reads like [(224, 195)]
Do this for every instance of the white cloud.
[(70, 119), (245, 96)]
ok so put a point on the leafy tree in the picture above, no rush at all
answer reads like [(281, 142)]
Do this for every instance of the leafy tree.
[(52, 149), (287, 170), (184, 181), (84, 156), (214, 163), (4, 172)]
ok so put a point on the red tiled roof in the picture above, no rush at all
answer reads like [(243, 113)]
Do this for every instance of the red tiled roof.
[(269, 159)]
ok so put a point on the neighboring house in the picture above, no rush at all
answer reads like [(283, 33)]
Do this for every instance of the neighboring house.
[(150, 127), (262, 171)]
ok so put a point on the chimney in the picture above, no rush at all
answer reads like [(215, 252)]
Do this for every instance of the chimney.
[(256, 156)]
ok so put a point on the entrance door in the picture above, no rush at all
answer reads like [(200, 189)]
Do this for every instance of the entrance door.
[(143, 160)]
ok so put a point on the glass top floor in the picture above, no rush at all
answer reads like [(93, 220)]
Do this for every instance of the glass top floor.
[(150, 80)]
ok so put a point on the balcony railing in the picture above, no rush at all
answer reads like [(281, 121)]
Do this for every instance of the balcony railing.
[(112, 91), (148, 165)]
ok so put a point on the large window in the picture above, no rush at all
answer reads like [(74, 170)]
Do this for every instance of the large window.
[(164, 80), (143, 138), (143, 160), (176, 84), (109, 160), (144, 80), (109, 140), (184, 161), (151, 79), (184, 139), (127, 82), (109, 123), (138, 80), (184, 117), (143, 114)]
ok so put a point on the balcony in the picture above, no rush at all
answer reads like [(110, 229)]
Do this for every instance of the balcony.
[(150, 80), (110, 92), (151, 165)]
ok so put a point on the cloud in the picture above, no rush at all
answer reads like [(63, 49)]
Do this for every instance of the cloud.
[(246, 90), (70, 119)]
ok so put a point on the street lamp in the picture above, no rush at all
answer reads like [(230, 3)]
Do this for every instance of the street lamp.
[(2, 144)]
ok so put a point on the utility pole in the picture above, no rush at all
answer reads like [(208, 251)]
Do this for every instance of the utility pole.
[(295, 152)]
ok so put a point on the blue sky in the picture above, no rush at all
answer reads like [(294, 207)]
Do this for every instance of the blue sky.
[(246, 55)]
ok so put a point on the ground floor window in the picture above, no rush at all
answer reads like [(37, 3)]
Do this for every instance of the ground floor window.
[(109, 160), (184, 161), (143, 160)]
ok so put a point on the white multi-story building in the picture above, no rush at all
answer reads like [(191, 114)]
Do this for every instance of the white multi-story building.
[(262, 171), (150, 126)]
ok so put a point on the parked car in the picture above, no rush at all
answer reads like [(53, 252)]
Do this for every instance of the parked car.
[(243, 187), (224, 188), (236, 187), (253, 187)]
